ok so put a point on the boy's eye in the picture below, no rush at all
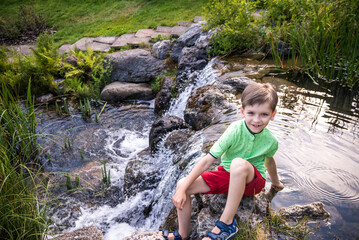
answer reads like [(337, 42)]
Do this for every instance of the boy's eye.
[(250, 113), (264, 114)]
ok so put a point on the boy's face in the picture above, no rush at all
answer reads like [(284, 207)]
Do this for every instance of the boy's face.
[(257, 116)]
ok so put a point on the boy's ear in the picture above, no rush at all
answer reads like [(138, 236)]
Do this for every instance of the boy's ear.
[(242, 112), (273, 114)]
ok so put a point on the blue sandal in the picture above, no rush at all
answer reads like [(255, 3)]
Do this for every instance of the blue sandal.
[(227, 231), (175, 233)]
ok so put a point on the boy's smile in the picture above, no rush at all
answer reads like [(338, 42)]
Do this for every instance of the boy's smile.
[(257, 116)]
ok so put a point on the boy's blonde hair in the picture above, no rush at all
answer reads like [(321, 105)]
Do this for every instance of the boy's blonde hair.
[(259, 93)]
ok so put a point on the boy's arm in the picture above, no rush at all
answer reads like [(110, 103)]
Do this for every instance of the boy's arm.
[(180, 196), (272, 170)]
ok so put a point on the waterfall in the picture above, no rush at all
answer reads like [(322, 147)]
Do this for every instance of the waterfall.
[(159, 200), (206, 76)]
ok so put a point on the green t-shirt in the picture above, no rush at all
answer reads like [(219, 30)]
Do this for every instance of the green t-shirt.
[(238, 142)]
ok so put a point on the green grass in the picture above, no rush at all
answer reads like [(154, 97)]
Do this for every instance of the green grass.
[(22, 192), (76, 19)]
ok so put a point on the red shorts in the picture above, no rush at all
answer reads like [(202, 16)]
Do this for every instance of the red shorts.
[(218, 182)]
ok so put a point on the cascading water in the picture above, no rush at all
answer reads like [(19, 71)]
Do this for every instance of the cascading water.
[(122, 145)]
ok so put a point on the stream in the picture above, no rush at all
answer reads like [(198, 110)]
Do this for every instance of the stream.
[(317, 159)]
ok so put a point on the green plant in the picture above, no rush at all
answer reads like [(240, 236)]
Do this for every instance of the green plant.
[(106, 176), (88, 76), (236, 27), (23, 193), (156, 83), (85, 108), (68, 182)]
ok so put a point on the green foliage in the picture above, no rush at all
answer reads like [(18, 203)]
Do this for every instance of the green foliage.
[(156, 83), (106, 176), (85, 108), (237, 27), (41, 68), (23, 194), (25, 22), (68, 182), (88, 76)]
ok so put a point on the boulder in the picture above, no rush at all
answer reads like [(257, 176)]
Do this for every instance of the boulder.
[(176, 139), (203, 41), (206, 106), (139, 176), (314, 211), (191, 59), (162, 126), (187, 39), (136, 66), (161, 49), (86, 233), (236, 80), (164, 96), (120, 91)]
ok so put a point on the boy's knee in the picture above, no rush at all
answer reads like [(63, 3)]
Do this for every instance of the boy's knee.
[(240, 166)]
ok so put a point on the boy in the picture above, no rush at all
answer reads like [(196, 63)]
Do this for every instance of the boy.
[(246, 149)]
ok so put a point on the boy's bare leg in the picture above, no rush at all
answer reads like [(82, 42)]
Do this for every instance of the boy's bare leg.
[(242, 172), (184, 214)]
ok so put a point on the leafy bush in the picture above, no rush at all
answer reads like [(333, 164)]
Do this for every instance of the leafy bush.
[(88, 75), (237, 27), (26, 23)]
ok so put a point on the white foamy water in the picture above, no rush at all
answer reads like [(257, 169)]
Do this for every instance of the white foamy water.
[(207, 76)]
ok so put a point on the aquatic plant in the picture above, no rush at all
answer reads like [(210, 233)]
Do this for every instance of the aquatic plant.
[(23, 192), (106, 176), (85, 108)]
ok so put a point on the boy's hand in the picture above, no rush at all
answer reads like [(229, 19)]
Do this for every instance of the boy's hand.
[(179, 199), (278, 186)]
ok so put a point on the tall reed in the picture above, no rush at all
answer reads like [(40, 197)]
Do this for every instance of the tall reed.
[(22, 211)]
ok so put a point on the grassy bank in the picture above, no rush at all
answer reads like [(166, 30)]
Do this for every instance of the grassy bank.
[(22, 212), (76, 19)]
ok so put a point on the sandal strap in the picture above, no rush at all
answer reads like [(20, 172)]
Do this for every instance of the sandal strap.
[(165, 234), (224, 227), (177, 235)]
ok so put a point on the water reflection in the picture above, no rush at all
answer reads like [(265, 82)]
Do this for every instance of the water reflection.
[(318, 157)]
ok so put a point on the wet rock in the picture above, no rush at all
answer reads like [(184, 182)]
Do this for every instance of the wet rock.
[(139, 176), (141, 235), (283, 49), (236, 80), (120, 91), (187, 39), (314, 211), (45, 98), (191, 59), (176, 139), (161, 49), (164, 96), (162, 126), (203, 41), (86, 233), (205, 106), (136, 66)]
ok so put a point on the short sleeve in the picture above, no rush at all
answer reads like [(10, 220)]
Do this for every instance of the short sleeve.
[(273, 149), (223, 143)]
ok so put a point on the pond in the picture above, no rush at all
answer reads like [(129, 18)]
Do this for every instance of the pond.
[(317, 160)]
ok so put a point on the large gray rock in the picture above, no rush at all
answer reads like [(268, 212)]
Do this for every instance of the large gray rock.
[(120, 91), (161, 49), (164, 96), (314, 211), (86, 233), (136, 65), (236, 80), (191, 59), (162, 126), (187, 39), (206, 106)]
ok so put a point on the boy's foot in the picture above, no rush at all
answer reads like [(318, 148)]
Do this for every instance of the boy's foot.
[(222, 231)]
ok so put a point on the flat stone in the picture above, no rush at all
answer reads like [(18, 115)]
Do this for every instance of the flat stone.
[(144, 236), (87, 43), (144, 33), (178, 30), (165, 29), (120, 91), (23, 49), (65, 48), (184, 24), (105, 39), (122, 40), (86, 233), (138, 40), (198, 19)]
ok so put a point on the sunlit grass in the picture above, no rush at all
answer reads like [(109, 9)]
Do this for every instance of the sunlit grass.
[(75, 19)]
